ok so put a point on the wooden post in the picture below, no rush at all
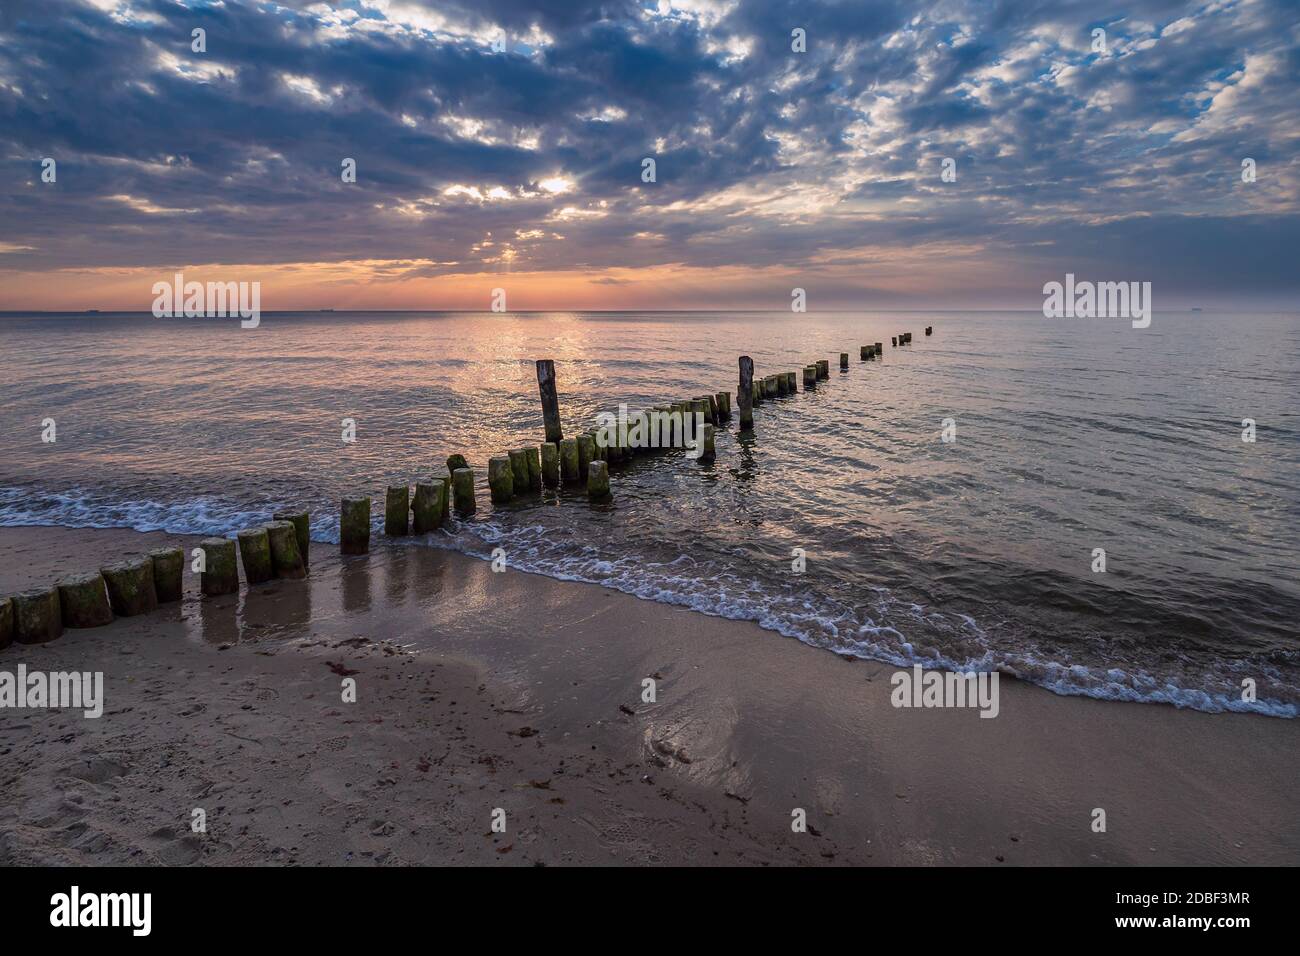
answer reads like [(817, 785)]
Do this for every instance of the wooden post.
[(301, 527), (823, 369), (501, 479), (724, 405), (37, 617), (130, 586), (285, 556), (863, 352), (534, 468), (397, 507), (893, 341), (519, 469), (255, 554), (569, 460), (220, 574), (707, 452), (550, 399), (745, 394), (792, 382), (844, 361), (809, 377), (586, 453), (462, 483), (880, 349), (354, 526), (550, 464), (168, 573), (426, 506), (597, 480), (83, 601)]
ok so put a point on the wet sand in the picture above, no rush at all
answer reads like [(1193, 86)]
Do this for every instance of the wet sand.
[(479, 690)]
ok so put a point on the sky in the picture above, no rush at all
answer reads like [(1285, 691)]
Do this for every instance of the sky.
[(502, 145)]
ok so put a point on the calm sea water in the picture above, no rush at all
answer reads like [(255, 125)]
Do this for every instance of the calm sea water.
[(1071, 435)]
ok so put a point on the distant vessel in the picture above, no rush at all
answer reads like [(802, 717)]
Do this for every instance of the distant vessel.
[(1197, 309), (91, 311)]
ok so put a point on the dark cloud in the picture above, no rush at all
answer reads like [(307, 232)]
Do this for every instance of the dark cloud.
[(765, 157)]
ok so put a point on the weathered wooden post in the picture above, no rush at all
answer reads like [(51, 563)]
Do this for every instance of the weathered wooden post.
[(255, 555), (724, 405), (809, 377), (792, 382), (37, 617), (354, 526), (569, 460), (168, 573), (518, 469), (285, 556), (745, 394), (707, 452), (844, 361), (550, 400), (862, 352), (397, 505), (880, 349), (586, 452), (824, 369), (302, 528), (6, 622), (83, 601), (462, 483), (130, 586), (759, 395), (534, 468), (893, 341), (426, 506), (220, 574), (929, 329), (550, 464), (501, 479), (597, 480)]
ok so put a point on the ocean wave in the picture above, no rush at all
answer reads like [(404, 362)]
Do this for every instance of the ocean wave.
[(875, 627)]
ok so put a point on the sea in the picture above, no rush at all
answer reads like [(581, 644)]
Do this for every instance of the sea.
[(950, 504)]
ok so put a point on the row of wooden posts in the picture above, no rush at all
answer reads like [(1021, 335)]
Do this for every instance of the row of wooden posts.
[(139, 585), (279, 549)]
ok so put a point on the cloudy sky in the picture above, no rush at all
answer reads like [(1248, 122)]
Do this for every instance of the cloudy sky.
[(501, 144)]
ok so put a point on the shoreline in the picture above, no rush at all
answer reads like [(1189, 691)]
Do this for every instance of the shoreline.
[(547, 676)]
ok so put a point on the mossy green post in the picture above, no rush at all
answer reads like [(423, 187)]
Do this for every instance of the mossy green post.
[(550, 463), (285, 555), (426, 506), (354, 526), (255, 555), (83, 601), (534, 468), (302, 528), (37, 618), (569, 460), (130, 586), (501, 479), (462, 484), (586, 453), (220, 573), (397, 509), (597, 480), (168, 574), (518, 469)]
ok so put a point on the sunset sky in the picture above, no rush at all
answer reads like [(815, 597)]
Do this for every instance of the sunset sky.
[(521, 168)]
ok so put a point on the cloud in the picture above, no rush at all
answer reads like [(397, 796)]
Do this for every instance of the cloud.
[(766, 159)]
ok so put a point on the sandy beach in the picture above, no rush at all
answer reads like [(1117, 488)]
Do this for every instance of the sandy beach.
[(479, 691)]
